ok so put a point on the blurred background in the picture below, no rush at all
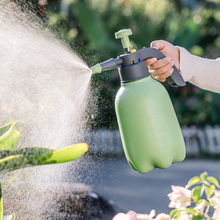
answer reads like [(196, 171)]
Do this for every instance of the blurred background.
[(88, 27)]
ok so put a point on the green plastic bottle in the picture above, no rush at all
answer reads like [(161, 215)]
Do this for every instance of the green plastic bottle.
[(149, 128), (150, 132)]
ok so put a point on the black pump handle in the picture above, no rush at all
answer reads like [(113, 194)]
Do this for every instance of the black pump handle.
[(175, 79)]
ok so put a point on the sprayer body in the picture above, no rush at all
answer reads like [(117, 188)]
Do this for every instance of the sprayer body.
[(150, 132)]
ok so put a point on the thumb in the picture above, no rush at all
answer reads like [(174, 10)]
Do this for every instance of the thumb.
[(158, 44)]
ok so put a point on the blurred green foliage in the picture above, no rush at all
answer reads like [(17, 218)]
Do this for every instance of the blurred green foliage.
[(88, 26)]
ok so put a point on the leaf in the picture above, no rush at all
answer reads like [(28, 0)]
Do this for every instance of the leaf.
[(173, 213), (204, 175), (33, 151), (197, 193), (213, 180), (67, 154), (193, 181), (1, 203), (8, 132), (190, 210), (209, 190), (26, 152), (9, 217), (4, 128), (201, 200), (11, 142), (33, 157), (92, 26), (198, 217)]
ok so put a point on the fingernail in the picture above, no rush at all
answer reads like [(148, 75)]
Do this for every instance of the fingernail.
[(169, 59), (154, 60), (171, 63), (171, 70)]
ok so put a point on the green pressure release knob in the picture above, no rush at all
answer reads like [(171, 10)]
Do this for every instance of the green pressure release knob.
[(123, 35)]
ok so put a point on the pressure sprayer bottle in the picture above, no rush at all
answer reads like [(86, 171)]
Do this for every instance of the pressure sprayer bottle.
[(150, 132)]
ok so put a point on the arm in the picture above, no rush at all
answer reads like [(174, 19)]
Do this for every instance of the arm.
[(204, 73)]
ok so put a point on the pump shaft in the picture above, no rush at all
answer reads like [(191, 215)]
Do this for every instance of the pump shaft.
[(107, 65)]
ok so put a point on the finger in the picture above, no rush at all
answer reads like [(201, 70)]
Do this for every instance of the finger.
[(158, 44), (163, 77), (162, 70), (157, 78), (150, 68), (161, 63), (151, 61)]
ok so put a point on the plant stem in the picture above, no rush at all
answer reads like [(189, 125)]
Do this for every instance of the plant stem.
[(206, 211)]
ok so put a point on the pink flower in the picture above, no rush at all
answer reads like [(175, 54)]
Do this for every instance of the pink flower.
[(201, 207), (163, 216), (215, 200), (180, 197), (216, 214), (185, 217), (131, 215), (146, 216), (121, 216), (42, 2)]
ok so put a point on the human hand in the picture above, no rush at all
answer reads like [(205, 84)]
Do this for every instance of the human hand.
[(162, 69)]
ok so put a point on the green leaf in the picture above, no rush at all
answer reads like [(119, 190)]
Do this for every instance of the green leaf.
[(4, 128), (11, 142), (204, 175), (198, 217), (193, 181), (26, 152), (1, 203), (33, 151), (9, 217), (33, 157), (213, 180), (209, 190), (197, 193), (201, 200), (173, 213), (8, 132), (67, 154), (178, 215), (190, 210), (92, 26)]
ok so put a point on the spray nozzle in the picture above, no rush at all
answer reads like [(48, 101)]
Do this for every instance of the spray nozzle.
[(96, 69), (115, 63), (107, 65)]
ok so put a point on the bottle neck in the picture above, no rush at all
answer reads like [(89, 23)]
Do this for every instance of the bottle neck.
[(133, 67), (133, 72)]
